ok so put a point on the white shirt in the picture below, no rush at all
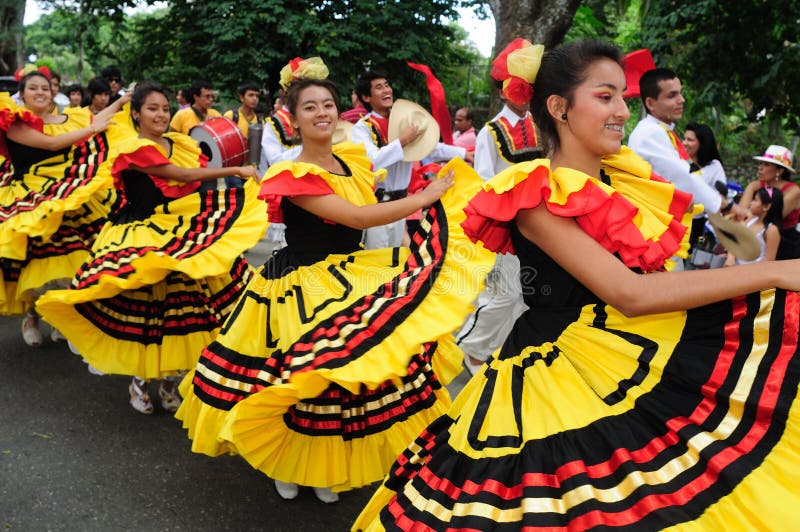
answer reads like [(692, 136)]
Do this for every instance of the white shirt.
[(653, 144), (272, 150), (390, 157), (712, 172), (488, 161)]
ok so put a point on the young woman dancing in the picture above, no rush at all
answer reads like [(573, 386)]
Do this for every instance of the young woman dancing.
[(167, 269), (625, 397), (335, 357)]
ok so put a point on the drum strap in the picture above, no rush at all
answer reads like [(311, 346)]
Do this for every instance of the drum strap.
[(197, 113), (236, 117)]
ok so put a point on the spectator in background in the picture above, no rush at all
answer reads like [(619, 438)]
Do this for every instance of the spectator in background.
[(277, 104), (75, 95), (357, 112), (98, 95), (60, 100), (464, 134), (775, 170), (245, 114), (182, 97), (701, 146), (201, 95), (113, 75)]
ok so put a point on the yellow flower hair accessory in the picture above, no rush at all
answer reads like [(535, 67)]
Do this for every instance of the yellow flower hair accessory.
[(311, 68), (517, 66)]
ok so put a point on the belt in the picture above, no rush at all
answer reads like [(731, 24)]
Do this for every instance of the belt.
[(390, 195)]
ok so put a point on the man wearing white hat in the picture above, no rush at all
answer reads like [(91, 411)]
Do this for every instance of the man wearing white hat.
[(394, 145), (509, 138)]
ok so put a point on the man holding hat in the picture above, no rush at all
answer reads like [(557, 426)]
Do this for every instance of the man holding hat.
[(394, 143), (509, 138)]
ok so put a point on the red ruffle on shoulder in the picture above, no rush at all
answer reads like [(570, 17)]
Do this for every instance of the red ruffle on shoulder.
[(144, 154), (10, 113), (289, 179), (640, 217), (286, 184)]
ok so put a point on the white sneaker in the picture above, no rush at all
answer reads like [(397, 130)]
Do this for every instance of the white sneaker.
[(30, 331), (286, 490), (93, 370), (326, 495), (56, 336)]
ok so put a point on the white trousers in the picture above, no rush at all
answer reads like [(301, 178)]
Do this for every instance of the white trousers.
[(496, 310), (385, 236)]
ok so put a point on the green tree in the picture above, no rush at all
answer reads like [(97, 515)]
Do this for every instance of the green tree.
[(84, 18), (12, 12), (229, 41)]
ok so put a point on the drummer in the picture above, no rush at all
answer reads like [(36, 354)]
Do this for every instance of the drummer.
[(245, 114), (201, 96)]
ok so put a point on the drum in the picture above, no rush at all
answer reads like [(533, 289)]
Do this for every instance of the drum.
[(221, 141)]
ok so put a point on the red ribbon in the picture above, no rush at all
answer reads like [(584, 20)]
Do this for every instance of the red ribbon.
[(438, 101), (678, 145)]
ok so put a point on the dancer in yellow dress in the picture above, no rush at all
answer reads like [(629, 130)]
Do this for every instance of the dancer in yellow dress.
[(167, 269), (625, 397), (51, 205), (335, 356)]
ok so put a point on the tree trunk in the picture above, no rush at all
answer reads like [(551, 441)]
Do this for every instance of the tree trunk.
[(12, 13), (540, 21)]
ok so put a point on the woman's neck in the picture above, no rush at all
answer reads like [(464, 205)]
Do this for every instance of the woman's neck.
[(588, 164), (320, 154), (157, 138)]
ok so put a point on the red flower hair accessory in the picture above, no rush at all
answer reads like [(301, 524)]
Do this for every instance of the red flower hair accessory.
[(28, 68), (516, 66)]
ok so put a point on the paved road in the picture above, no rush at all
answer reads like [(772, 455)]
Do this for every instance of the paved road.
[(75, 456)]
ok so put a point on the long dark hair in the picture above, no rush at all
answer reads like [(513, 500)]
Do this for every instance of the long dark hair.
[(707, 151), (774, 198), (562, 70)]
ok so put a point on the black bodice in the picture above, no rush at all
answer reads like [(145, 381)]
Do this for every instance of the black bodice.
[(545, 283), (23, 156), (142, 196)]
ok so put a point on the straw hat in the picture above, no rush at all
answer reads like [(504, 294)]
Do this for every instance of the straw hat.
[(405, 113), (342, 133), (779, 155), (736, 237)]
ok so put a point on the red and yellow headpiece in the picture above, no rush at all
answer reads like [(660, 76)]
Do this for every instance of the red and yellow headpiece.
[(28, 68), (311, 68), (517, 66)]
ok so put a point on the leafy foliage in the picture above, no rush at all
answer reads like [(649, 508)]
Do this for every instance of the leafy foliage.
[(230, 41)]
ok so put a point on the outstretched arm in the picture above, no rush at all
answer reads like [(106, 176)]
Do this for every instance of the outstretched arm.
[(24, 134), (333, 208), (635, 294), (189, 175)]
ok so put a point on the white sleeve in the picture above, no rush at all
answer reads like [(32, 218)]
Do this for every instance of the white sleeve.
[(659, 152), (271, 148), (445, 152), (380, 157), (485, 154)]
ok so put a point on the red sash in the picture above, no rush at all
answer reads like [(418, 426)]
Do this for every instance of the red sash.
[(380, 129)]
